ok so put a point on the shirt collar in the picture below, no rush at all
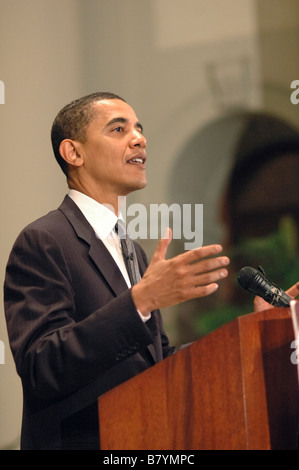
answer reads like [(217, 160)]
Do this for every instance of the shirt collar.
[(101, 218)]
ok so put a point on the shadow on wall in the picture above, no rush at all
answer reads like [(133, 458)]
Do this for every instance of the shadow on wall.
[(244, 169)]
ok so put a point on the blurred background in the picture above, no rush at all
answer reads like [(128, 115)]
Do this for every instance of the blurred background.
[(210, 81)]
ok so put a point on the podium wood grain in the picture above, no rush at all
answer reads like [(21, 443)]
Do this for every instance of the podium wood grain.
[(236, 388)]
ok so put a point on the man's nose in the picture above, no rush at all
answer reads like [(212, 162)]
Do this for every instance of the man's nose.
[(138, 139)]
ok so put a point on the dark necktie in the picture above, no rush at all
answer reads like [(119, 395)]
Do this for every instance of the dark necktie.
[(128, 251)]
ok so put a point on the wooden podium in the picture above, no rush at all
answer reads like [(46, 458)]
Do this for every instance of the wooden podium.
[(234, 389)]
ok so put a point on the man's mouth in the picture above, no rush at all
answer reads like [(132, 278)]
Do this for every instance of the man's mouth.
[(138, 160)]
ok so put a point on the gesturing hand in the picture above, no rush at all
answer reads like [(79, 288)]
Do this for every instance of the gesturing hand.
[(189, 275)]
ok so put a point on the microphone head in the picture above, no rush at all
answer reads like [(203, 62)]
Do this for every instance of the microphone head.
[(256, 282), (245, 276)]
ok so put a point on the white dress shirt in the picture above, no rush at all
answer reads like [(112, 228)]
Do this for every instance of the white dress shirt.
[(103, 221)]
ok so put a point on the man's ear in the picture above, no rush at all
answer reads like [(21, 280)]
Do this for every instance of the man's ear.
[(69, 151)]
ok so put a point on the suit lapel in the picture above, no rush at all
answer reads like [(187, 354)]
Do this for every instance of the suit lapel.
[(107, 266), (101, 257), (98, 253)]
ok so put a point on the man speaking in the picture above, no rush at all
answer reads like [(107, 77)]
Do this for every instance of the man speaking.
[(82, 305)]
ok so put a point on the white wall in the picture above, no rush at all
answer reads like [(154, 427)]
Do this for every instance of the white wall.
[(40, 57), (278, 44)]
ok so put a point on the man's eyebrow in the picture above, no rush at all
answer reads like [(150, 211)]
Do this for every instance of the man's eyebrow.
[(123, 120)]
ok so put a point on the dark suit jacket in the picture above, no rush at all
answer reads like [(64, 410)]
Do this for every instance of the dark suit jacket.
[(73, 328)]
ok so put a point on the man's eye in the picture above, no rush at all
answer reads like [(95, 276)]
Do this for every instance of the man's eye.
[(118, 129)]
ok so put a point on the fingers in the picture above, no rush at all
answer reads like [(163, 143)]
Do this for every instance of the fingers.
[(293, 291), (200, 279), (206, 282), (202, 270), (193, 267), (204, 291), (203, 273), (188, 256), (161, 249), (200, 253), (211, 277), (261, 304), (192, 274), (210, 265)]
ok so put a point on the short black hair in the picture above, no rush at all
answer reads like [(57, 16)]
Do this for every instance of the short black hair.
[(71, 122)]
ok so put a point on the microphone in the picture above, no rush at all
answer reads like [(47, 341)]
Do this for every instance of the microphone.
[(256, 282)]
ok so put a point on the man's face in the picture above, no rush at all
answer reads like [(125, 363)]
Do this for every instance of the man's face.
[(114, 150)]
